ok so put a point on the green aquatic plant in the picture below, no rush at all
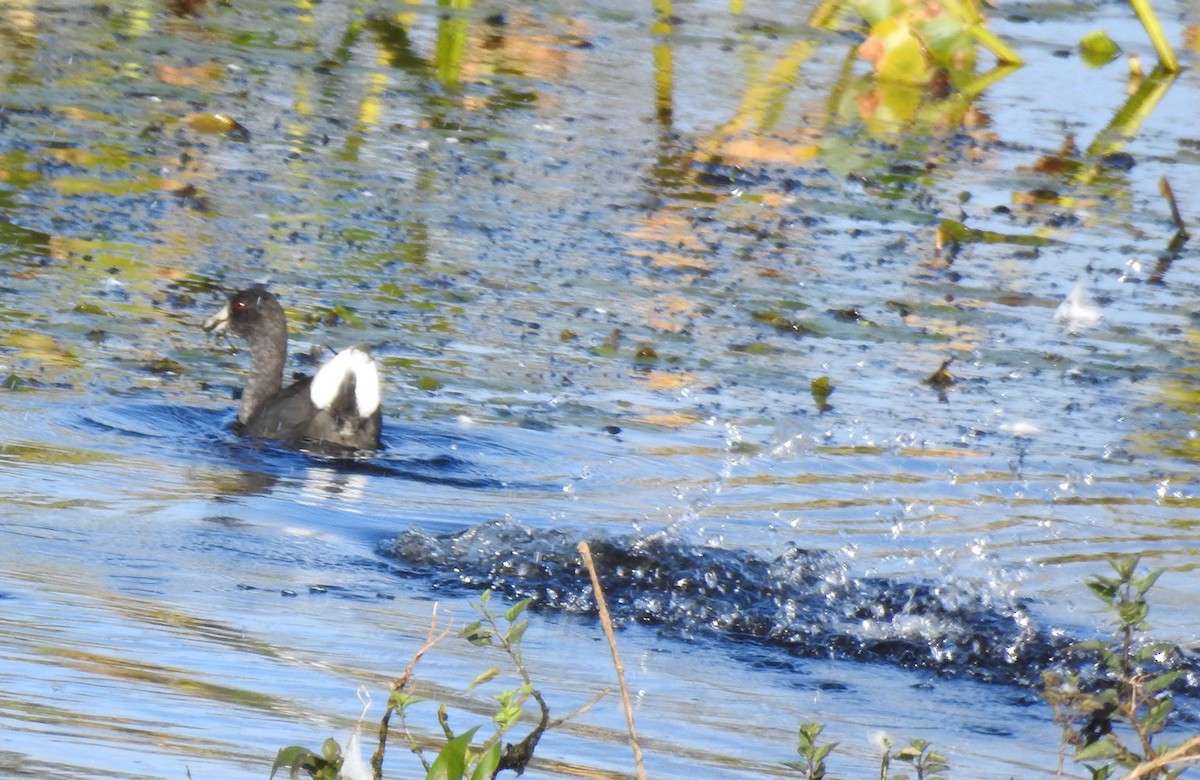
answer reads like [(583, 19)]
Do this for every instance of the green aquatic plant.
[(928, 764), (459, 758), (327, 765), (812, 752), (1162, 47), (913, 42), (1116, 721)]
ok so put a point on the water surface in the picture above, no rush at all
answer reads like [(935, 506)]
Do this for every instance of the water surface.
[(602, 264)]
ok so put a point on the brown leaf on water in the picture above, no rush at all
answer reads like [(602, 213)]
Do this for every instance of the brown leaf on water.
[(669, 419), (532, 45), (667, 226), (189, 76), (676, 262), (960, 337), (665, 380), (768, 149), (671, 313), (184, 8)]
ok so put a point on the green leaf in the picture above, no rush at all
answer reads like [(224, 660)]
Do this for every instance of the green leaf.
[(1124, 565), (516, 631), (821, 388), (822, 752), (400, 700), (1098, 49), (451, 760), (903, 59), (490, 674), (875, 11), (1161, 682), (488, 763), (512, 612), (292, 757), (1101, 749), (1151, 651), (949, 42), (808, 736), (1156, 717), (1103, 587), (476, 634), (1147, 582)]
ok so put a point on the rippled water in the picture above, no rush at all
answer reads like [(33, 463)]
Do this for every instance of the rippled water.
[(602, 272)]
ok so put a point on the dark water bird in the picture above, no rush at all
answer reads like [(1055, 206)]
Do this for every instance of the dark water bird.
[(336, 412)]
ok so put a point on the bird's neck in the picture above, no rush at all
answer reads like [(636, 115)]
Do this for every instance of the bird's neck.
[(266, 376)]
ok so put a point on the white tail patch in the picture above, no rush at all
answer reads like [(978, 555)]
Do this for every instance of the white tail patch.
[(353, 361)]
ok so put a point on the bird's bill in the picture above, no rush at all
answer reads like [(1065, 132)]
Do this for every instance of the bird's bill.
[(219, 321)]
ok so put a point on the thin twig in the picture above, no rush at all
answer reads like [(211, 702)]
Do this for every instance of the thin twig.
[(606, 623), (432, 638), (1164, 186), (559, 721), (1188, 752)]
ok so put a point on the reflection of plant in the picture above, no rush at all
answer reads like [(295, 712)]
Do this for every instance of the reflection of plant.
[(1117, 720), (912, 41)]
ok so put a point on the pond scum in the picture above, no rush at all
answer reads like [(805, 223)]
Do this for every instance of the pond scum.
[(1112, 706)]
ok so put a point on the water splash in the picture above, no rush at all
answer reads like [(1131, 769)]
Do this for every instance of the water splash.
[(804, 602)]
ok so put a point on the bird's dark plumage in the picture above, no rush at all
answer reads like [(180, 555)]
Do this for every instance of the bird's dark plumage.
[(334, 412)]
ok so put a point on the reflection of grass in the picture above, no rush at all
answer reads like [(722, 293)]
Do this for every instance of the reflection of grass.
[(175, 679), (51, 456)]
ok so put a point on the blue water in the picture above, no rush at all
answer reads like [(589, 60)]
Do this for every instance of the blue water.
[(584, 327)]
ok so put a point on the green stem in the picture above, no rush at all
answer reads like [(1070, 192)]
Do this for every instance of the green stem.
[(1145, 14), (990, 41)]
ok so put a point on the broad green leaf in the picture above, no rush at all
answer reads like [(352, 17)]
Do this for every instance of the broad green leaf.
[(1161, 683), (903, 58), (516, 609), (451, 761), (948, 42), (1147, 582), (875, 11), (488, 763), (1101, 749), (291, 757), (516, 631), (1156, 718)]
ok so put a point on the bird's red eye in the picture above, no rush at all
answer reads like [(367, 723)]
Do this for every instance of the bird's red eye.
[(240, 305)]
